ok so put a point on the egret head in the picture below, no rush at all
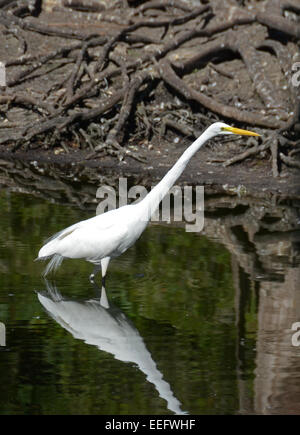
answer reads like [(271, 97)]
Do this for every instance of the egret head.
[(221, 128)]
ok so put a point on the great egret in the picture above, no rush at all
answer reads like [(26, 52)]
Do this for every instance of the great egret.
[(108, 235)]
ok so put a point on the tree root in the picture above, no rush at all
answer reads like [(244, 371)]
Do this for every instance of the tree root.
[(104, 75), (251, 118), (250, 152), (289, 161)]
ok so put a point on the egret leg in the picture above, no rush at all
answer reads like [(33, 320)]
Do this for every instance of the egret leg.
[(104, 265), (97, 269), (103, 299)]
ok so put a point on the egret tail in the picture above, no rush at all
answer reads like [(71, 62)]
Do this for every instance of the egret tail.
[(54, 263)]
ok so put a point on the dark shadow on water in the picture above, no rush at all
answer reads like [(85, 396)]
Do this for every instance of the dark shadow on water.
[(264, 242)]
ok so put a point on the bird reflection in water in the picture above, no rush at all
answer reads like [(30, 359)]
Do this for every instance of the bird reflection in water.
[(102, 324)]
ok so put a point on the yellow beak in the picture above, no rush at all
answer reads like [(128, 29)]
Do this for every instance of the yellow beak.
[(239, 131)]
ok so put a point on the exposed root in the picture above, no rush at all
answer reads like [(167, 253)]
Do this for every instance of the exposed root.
[(101, 78)]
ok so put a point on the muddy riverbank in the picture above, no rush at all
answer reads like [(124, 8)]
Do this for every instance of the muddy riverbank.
[(142, 80), (45, 173)]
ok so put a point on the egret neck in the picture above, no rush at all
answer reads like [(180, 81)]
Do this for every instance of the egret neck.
[(150, 203)]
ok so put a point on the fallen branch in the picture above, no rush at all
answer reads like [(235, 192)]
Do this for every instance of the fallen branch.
[(251, 152), (251, 118), (101, 80)]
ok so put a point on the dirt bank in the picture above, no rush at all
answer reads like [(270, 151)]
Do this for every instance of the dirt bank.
[(101, 91), (252, 177)]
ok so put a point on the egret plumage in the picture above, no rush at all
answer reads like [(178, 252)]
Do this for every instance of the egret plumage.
[(108, 235)]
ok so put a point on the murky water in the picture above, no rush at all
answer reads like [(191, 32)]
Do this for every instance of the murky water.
[(188, 323)]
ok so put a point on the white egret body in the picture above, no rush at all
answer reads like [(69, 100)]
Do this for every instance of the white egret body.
[(108, 235)]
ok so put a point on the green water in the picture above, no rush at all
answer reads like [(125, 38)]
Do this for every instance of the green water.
[(174, 289)]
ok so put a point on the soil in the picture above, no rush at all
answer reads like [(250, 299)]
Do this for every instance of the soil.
[(144, 139), (252, 177)]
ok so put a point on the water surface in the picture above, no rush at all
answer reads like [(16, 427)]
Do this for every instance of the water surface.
[(183, 325)]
